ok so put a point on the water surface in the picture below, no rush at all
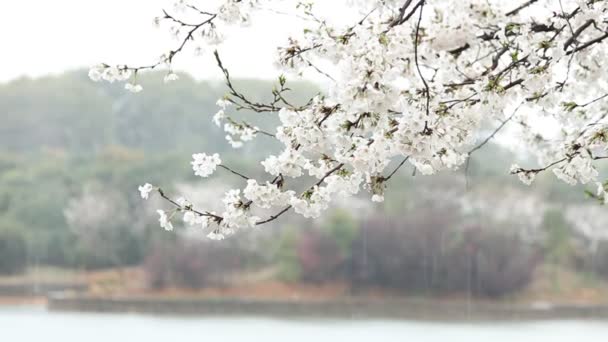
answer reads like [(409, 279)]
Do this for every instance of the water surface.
[(38, 325)]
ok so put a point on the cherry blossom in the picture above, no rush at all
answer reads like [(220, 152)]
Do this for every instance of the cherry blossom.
[(170, 77), (134, 88), (145, 190), (266, 196), (204, 165), (164, 220), (409, 83)]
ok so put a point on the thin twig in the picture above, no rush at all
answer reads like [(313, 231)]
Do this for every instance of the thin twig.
[(593, 101), (489, 137), (234, 172), (485, 141), (416, 41), (588, 44), (207, 214), (396, 169), (522, 6), (284, 210)]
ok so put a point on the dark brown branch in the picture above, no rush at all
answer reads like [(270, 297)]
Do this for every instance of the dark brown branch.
[(484, 142), (588, 44), (206, 214), (401, 13), (456, 52), (384, 179), (491, 136), (521, 7), (246, 124), (198, 10), (248, 104), (257, 107), (284, 210), (496, 59), (577, 33), (275, 216), (566, 17), (317, 69), (411, 13), (268, 134), (173, 53), (416, 42), (594, 101), (513, 84), (545, 167), (234, 172)]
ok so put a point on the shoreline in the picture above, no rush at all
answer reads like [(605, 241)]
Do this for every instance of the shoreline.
[(12, 301), (352, 308)]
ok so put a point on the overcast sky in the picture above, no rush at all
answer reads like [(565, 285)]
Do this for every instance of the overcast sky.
[(40, 37)]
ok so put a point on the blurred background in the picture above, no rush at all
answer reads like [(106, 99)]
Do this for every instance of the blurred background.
[(456, 256)]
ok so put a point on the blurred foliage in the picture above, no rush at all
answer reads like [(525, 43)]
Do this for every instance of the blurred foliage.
[(287, 256), (558, 242), (192, 264), (319, 256), (597, 260), (13, 249), (343, 228), (427, 256), (62, 135), (59, 134)]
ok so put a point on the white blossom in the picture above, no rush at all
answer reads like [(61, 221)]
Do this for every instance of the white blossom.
[(526, 177), (578, 169), (144, 190), (134, 88), (204, 165), (214, 235), (223, 103), (219, 117), (289, 163), (164, 220), (378, 198), (236, 215), (182, 202), (266, 196), (170, 77), (312, 207), (388, 98), (96, 72), (601, 193), (191, 218)]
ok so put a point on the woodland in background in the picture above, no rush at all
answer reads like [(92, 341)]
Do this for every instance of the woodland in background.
[(71, 161)]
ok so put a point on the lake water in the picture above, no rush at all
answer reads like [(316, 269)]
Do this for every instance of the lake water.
[(38, 325)]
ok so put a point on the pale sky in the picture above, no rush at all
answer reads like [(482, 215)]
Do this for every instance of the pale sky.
[(41, 37)]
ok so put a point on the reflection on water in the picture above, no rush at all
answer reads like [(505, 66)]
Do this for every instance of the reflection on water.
[(29, 325)]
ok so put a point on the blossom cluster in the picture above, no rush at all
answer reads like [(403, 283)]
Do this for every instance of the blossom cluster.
[(411, 83), (204, 165)]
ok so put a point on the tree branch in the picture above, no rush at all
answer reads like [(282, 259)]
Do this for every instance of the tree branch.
[(521, 7), (588, 44), (234, 172), (206, 214), (416, 42), (284, 210), (395, 170), (491, 136)]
